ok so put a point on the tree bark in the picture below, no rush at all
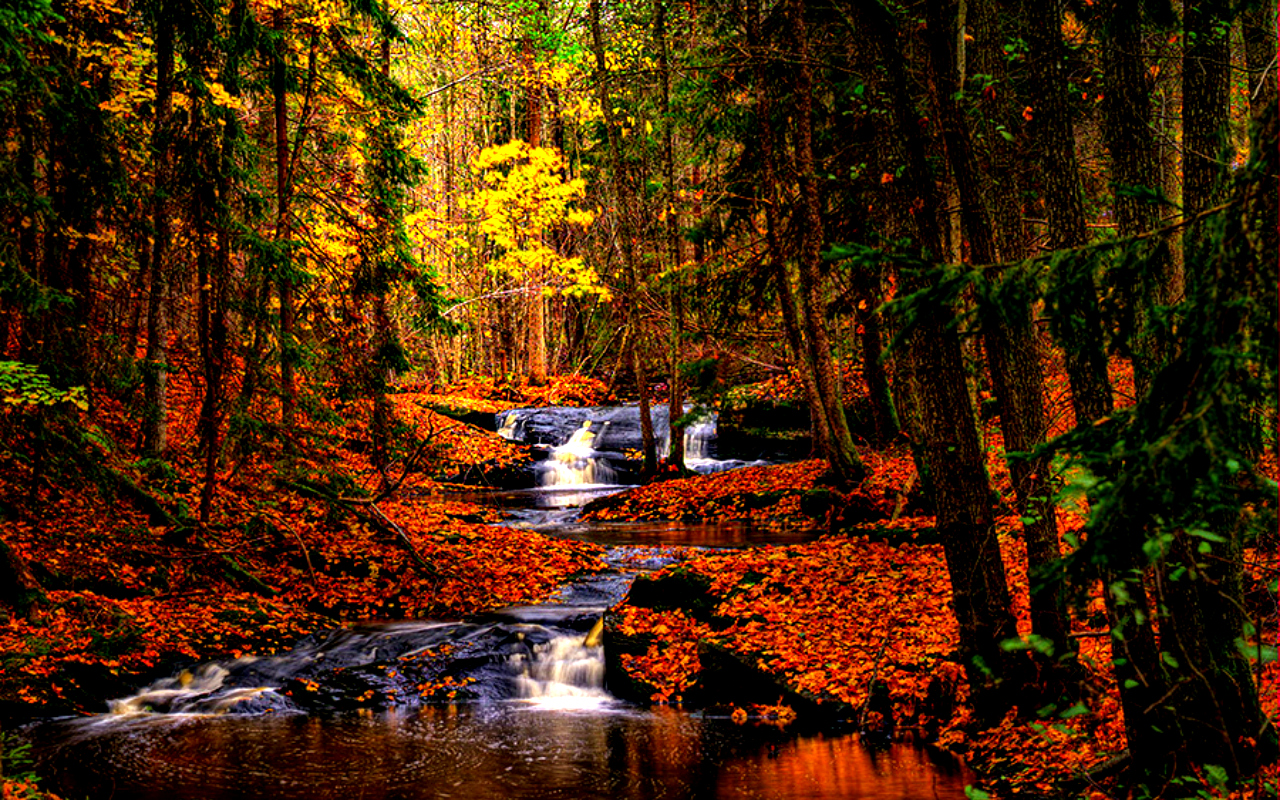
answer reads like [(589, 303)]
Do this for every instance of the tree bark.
[(155, 438), (843, 459), (624, 198), (284, 266)]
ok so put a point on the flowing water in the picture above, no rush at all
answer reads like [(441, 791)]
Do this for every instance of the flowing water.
[(341, 717)]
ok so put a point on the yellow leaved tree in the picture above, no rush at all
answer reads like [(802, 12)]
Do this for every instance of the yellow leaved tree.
[(522, 196)]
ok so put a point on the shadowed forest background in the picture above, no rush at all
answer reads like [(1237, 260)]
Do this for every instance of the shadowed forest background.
[(996, 280)]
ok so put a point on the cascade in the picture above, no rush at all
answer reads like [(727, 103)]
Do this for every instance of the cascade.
[(562, 672), (698, 438), (577, 462)]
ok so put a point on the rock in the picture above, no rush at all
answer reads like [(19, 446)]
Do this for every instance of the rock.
[(729, 677), (678, 589), (617, 680)]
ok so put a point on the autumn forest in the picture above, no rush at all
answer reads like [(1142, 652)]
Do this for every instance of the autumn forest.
[(840, 398)]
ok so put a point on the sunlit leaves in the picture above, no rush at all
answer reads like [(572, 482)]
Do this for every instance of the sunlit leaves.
[(522, 196)]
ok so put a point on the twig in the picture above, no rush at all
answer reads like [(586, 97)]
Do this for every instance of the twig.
[(302, 546), (902, 498), (404, 539), (871, 685)]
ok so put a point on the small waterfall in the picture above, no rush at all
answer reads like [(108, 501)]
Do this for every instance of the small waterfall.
[(199, 692), (562, 672), (510, 427), (698, 437), (577, 462)]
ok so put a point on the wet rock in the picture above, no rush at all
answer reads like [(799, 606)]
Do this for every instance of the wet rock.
[(480, 419), (729, 677), (617, 680), (678, 589)]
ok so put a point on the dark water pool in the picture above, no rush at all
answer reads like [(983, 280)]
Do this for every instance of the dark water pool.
[(500, 751)]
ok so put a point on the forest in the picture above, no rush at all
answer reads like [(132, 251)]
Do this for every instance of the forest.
[(963, 316)]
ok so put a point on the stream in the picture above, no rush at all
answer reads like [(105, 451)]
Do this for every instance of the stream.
[(529, 716)]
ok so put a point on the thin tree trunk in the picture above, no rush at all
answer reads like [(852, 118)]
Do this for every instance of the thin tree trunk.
[(624, 202), (675, 299), (537, 331), (884, 414), (844, 461), (787, 293), (155, 373), (284, 268)]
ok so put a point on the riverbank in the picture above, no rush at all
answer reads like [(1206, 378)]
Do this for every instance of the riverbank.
[(870, 603), (135, 587), (132, 584)]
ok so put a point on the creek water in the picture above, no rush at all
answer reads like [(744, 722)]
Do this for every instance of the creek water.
[(531, 719)]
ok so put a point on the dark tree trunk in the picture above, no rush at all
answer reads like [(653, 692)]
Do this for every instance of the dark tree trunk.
[(787, 294), (155, 372), (223, 164), (284, 266), (1052, 135), (1010, 338), (843, 459), (1206, 71), (675, 298), (1134, 163), (624, 197), (19, 589), (884, 414), (1260, 55), (952, 451)]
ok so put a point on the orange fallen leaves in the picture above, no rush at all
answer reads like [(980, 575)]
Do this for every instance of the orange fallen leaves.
[(769, 494)]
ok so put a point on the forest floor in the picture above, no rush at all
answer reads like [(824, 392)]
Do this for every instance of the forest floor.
[(136, 587)]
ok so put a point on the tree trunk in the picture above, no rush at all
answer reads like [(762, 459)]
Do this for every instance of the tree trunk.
[(884, 414), (283, 253), (1134, 163), (952, 451), (537, 330), (19, 589), (1206, 71), (843, 459), (787, 294), (155, 439), (624, 198), (1009, 337), (675, 299), (1051, 130), (1260, 55)]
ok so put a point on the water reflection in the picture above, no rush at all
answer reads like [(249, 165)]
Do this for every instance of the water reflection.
[(486, 752)]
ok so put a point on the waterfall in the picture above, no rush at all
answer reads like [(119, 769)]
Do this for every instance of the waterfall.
[(577, 462), (562, 672), (510, 427), (698, 437), (199, 692)]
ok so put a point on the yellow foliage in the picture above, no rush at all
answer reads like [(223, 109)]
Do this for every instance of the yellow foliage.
[(522, 194)]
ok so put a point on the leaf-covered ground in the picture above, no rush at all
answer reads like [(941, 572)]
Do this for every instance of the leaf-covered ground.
[(128, 595), (827, 616)]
